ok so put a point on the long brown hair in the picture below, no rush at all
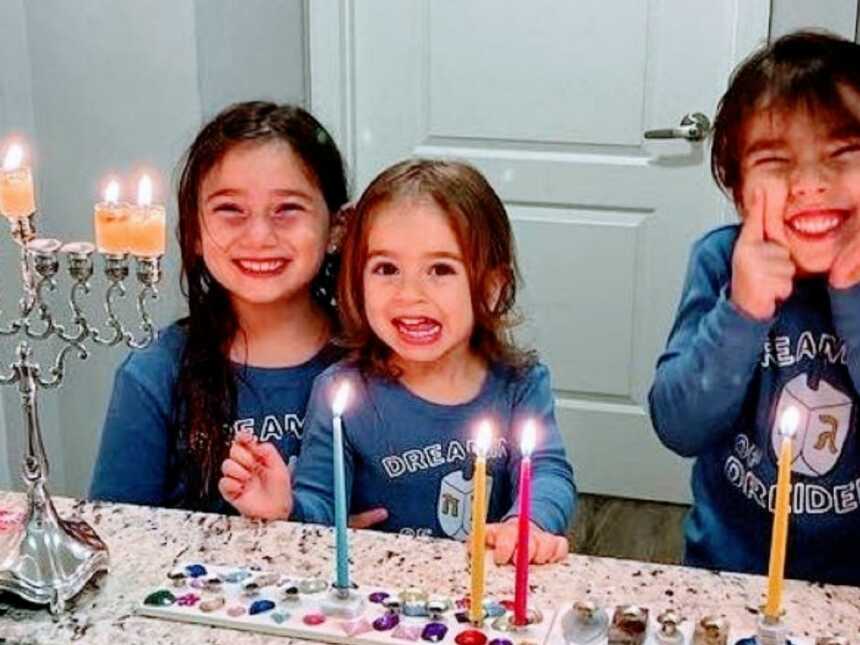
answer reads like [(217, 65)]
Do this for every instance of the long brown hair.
[(480, 224), (205, 393), (804, 70)]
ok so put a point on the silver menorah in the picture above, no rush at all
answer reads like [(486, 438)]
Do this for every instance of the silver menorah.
[(48, 560)]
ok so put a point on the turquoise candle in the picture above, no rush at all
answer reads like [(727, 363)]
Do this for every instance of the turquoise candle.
[(341, 540)]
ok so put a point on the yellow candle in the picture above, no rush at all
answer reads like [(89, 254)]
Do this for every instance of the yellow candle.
[(17, 198), (147, 223), (479, 523), (110, 219), (779, 536)]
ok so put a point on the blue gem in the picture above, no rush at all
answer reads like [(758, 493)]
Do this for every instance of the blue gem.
[(261, 606), (195, 570)]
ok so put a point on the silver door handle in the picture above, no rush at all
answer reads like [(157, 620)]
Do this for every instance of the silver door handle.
[(694, 127)]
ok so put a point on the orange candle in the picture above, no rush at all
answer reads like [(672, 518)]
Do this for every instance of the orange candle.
[(148, 223), (17, 198), (479, 523), (111, 219), (779, 536)]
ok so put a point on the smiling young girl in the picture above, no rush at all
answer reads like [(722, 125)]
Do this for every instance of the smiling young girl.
[(258, 191), (427, 291)]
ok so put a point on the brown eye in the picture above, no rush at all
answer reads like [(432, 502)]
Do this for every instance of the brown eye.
[(383, 268)]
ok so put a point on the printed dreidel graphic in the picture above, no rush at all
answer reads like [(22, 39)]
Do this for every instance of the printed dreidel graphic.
[(454, 507)]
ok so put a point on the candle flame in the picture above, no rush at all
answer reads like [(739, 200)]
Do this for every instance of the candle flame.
[(14, 157), (789, 421), (112, 192), (527, 441), (341, 398), (485, 437), (144, 191)]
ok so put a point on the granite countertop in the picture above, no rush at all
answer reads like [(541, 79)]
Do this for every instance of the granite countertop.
[(146, 542)]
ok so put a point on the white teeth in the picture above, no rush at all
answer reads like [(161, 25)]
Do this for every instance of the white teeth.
[(815, 225), (261, 267), (412, 321)]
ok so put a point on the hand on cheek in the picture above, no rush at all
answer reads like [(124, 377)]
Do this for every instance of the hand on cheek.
[(762, 269), (543, 547)]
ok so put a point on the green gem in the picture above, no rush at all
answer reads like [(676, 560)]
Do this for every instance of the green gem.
[(279, 616), (160, 598)]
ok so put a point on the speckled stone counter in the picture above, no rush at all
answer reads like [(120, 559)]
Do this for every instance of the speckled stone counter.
[(146, 542)]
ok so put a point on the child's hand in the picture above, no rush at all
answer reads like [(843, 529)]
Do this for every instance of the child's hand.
[(367, 519), (762, 269), (543, 547), (256, 480), (845, 272)]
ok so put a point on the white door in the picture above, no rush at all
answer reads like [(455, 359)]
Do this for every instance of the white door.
[(550, 99)]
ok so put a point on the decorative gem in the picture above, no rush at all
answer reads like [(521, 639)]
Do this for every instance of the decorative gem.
[(313, 585), (178, 577), (250, 588), (313, 619), (266, 579), (213, 583), (260, 606), (161, 598), (291, 593), (434, 632), (188, 600), (198, 583), (279, 616), (406, 632), (584, 622), (493, 609), (386, 621), (462, 616), (236, 576), (355, 627), (195, 570), (235, 611), (501, 641), (507, 604), (213, 604), (377, 597), (471, 637), (392, 604)]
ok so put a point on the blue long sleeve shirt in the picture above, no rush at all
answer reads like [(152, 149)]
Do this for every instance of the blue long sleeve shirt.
[(139, 459), (415, 458), (718, 395)]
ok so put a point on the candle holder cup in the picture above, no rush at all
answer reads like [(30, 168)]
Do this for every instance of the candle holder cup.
[(47, 560)]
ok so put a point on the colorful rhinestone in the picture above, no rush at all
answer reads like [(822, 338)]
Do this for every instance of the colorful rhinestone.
[(434, 632), (160, 598), (471, 637), (313, 619), (195, 570), (260, 607), (386, 621), (378, 596)]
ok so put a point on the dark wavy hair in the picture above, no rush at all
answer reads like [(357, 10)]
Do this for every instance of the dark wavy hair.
[(205, 391), (483, 231), (804, 69)]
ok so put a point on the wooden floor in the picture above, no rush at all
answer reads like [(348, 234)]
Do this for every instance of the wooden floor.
[(624, 528)]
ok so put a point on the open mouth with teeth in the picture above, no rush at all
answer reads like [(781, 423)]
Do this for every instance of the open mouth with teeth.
[(261, 268), (418, 330), (816, 225)]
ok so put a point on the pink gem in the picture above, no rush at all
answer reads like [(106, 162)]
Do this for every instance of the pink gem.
[(188, 600), (406, 632), (355, 627), (236, 611), (313, 619)]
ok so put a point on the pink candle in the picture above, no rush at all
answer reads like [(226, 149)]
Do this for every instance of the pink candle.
[(521, 590)]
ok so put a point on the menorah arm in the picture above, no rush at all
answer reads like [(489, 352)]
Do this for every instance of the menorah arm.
[(113, 321), (146, 324), (40, 303), (58, 369)]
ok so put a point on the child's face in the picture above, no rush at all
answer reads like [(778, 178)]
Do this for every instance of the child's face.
[(810, 171), (264, 223), (416, 289)]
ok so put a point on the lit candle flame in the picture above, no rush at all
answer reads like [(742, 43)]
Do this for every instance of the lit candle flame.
[(527, 441), (485, 437), (341, 398), (144, 191), (112, 192), (14, 157), (789, 421)]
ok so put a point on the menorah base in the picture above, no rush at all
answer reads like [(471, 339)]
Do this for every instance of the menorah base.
[(48, 560)]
